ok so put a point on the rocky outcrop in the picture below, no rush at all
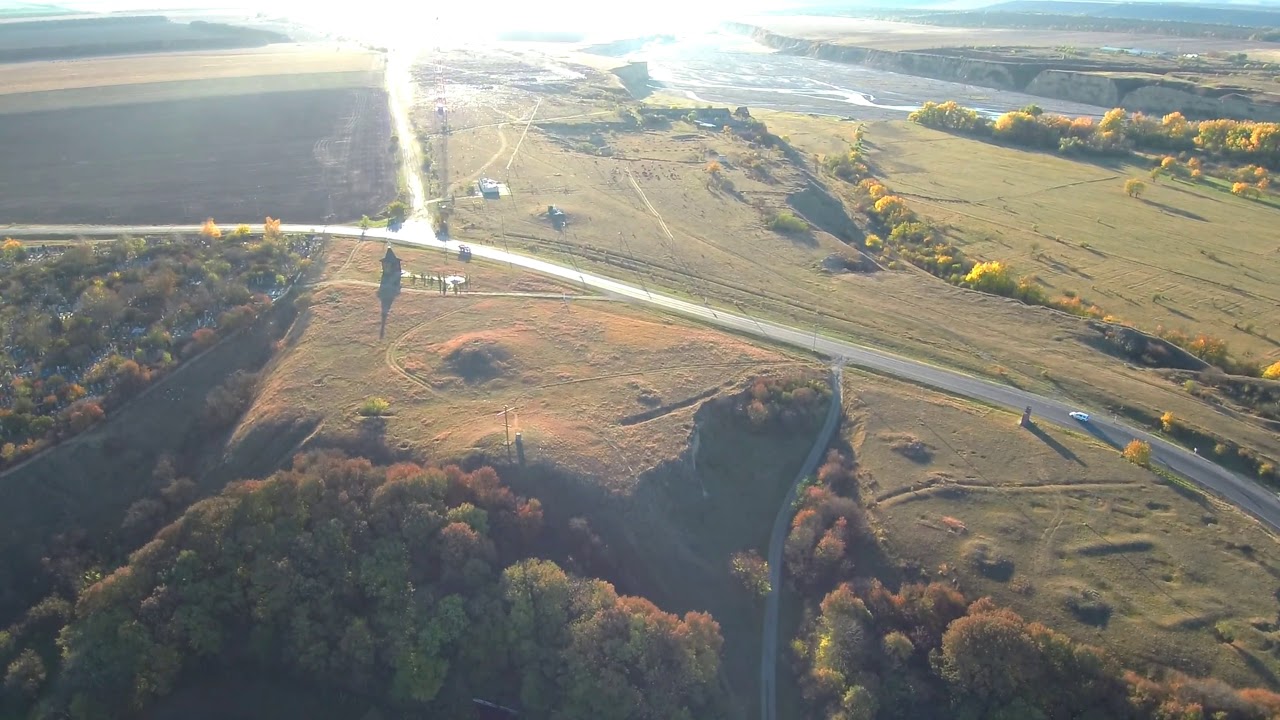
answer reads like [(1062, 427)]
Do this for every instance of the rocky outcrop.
[(1089, 82)]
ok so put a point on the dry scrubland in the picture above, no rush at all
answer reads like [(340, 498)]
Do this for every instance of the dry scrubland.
[(607, 399), (721, 248), (300, 132), (1061, 529)]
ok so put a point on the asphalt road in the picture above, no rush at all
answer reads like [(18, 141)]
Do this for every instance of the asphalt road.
[(1244, 493)]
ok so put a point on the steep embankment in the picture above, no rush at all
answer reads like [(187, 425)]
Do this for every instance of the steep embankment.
[(1078, 81)]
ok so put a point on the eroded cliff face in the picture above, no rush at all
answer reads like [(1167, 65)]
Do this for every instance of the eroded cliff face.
[(1078, 87), (1087, 86), (975, 72)]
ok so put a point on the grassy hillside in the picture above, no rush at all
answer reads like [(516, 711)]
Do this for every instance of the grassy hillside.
[(1182, 255)]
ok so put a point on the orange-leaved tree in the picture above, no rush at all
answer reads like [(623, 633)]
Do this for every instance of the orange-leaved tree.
[(271, 228), (1244, 190), (210, 229), (1138, 453)]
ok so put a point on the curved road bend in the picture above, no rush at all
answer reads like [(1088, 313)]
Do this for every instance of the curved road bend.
[(769, 639), (1240, 491)]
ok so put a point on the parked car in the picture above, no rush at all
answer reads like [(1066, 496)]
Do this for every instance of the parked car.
[(1080, 416)]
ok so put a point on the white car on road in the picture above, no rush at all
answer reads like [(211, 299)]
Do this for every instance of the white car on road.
[(1081, 416)]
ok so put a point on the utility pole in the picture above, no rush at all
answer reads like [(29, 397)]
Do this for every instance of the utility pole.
[(506, 426)]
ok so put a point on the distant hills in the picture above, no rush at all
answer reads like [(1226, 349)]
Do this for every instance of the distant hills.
[(1262, 16)]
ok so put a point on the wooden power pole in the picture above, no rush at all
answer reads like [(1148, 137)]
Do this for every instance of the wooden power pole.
[(506, 426)]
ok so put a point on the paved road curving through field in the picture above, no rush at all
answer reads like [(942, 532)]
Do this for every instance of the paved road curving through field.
[(769, 639), (1240, 491)]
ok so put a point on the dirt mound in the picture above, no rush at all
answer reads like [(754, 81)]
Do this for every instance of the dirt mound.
[(478, 361)]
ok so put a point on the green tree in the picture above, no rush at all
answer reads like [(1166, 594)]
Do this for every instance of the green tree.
[(397, 210), (25, 674)]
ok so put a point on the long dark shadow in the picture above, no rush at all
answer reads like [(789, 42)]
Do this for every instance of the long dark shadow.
[(1052, 442)]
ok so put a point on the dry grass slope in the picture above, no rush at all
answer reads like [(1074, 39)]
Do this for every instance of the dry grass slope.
[(1065, 532), (608, 401), (1180, 256)]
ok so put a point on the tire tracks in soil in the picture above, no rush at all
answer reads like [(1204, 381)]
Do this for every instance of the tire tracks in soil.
[(394, 346)]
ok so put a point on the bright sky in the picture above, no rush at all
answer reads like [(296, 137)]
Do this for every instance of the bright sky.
[(459, 20)]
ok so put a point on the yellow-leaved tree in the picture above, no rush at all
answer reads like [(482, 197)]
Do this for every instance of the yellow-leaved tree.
[(1168, 421), (10, 249), (893, 210), (1112, 124), (1272, 372), (1138, 453), (992, 276), (1133, 187)]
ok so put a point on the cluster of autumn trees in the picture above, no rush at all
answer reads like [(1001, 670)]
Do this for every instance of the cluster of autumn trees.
[(925, 652), (409, 585), (866, 652), (904, 234), (825, 529), (1119, 131), (789, 403), (84, 329)]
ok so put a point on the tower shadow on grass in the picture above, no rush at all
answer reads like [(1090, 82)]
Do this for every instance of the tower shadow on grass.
[(1053, 443), (388, 287)]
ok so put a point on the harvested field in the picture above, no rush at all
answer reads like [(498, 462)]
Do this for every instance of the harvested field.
[(92, 36), (185, 67), (607, 399), (1067, 533), (238, 148), (295, 132)]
